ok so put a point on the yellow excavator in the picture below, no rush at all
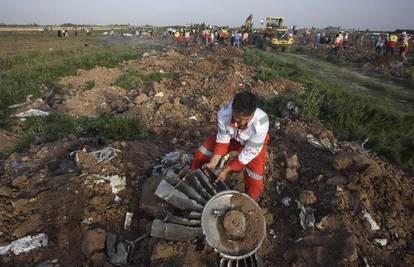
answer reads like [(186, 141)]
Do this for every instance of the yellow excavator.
[(275, 35)]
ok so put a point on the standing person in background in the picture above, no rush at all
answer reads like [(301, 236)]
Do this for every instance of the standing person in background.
[(236, 40), (404, 46), (379, 45), (393, 42), (187, 38), (179, 39)]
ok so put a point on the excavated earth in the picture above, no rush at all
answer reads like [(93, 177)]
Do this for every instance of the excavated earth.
[(53, 187)]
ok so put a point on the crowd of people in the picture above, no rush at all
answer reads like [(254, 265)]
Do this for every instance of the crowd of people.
[(385, 44), (208, 36)]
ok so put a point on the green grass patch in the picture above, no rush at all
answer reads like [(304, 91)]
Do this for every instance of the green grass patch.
[(352, 115), (56, 126), (133, 78), (30, 72)]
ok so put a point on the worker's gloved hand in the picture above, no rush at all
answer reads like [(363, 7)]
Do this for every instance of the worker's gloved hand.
[(213, 162)]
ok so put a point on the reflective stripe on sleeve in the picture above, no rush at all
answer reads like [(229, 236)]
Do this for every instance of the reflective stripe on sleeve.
[(205, 151), (253, 175)]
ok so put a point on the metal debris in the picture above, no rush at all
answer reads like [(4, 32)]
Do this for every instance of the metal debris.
[(306, 216), (175, 232), (128, 220), (117, 250), (106, 154), (25, 244), (177, 160), (324, 143)]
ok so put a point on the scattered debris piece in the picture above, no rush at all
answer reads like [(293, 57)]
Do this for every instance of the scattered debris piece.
[(286, 201), (32, 113), (117, 182), (306, 216), (128, 220), (381, 241), (324, 143), (106, 154), (374, 226), (117, 250), (25, 244)]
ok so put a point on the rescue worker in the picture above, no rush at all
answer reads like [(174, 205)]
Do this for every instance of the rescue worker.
[(187, 38), (337, 43), (393, 42), (241, 127)]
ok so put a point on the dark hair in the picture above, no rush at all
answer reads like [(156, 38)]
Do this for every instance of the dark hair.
[(244, 103)]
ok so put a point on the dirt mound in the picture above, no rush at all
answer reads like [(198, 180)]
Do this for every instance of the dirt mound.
[(356, 200)]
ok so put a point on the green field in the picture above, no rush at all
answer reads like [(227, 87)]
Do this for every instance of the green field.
[(356, 107)]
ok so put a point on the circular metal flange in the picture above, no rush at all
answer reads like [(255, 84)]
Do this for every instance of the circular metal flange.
[(212, 224)]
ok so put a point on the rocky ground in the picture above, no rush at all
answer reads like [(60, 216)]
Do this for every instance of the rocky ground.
[(62, 190)]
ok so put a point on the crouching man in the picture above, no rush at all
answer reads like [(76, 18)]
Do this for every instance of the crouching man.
[(241, 127)]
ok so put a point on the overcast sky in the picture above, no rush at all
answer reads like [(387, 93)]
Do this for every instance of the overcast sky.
[(372, 14)]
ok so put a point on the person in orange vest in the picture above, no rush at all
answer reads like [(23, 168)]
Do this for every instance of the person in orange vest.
[(187, 38), (337, 43), (241, 127), (393, 42), (179, 40)]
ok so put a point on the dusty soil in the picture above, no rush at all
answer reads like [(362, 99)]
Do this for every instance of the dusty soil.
[(48, 189)]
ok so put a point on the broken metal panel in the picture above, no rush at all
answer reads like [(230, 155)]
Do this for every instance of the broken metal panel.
[(205, 181), (194, 215), (183, 221), (174, 180), (174, 232), (176, 198), (195, 183)]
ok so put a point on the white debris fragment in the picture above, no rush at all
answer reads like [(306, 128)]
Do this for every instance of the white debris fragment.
[(372, 223), (128, 220), (160, 94), (87, 220), (381, 241), (324, 143), (32, 113), (193, 118), (117, 182), (272, 233), (286, 201), (117, 199), (25, 244), (106, 154)]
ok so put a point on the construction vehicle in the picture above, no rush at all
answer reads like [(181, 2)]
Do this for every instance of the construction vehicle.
[(248, 24), (275, 35)]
